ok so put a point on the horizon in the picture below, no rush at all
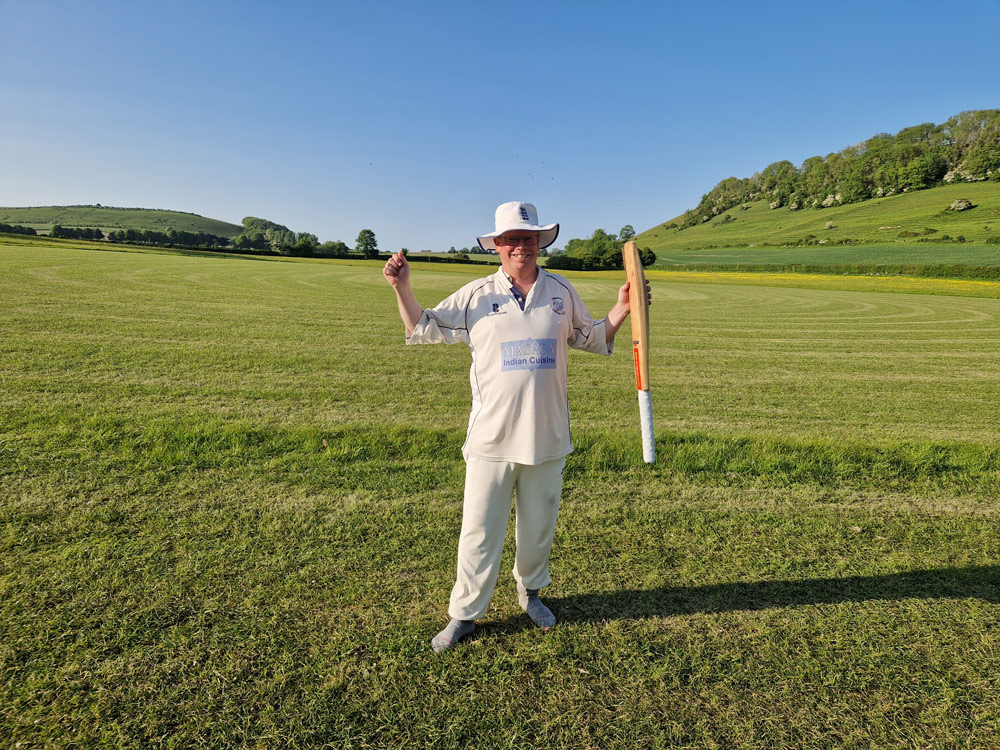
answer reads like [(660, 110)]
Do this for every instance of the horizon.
[(330, 120)]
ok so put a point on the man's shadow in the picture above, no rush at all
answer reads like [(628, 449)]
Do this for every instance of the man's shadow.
[(979, 582)]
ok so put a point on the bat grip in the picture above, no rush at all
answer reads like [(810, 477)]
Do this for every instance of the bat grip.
[(646, 423)]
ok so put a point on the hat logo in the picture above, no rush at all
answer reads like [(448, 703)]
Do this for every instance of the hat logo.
[(524, 214)]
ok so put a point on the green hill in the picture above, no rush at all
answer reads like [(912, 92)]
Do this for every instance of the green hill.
[(915, 218), (111, 218)]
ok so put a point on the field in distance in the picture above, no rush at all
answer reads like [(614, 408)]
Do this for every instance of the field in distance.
[(898, 255), (232, 496), (877, 222), (112, 218)]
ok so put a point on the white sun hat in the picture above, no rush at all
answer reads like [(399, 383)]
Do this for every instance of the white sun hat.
[(519, 216)]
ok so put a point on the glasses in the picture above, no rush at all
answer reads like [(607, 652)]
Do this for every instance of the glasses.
[(515, 241)]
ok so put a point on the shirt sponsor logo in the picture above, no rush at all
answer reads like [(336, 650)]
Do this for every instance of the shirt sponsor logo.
[(528, 354), (557, 305)]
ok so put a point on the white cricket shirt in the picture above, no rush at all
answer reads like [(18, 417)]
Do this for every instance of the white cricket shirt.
[(520, 409)]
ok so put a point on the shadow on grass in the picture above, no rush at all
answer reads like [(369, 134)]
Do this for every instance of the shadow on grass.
[(981, 582)]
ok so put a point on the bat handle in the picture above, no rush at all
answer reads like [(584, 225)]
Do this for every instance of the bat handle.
[(646, 422)]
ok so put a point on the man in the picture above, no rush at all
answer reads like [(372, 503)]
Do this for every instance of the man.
[(518, 324)]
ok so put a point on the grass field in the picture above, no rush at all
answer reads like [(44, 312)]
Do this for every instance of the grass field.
[(231, 497), (842, 255), (880, 221)]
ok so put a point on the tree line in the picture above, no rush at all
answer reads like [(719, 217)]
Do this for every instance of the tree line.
[(258, 236), (966, 148), (602, 252), (16, 229), (76, 233), (169, 238), (268, 236)]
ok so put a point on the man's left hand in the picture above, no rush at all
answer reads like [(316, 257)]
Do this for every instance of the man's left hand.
[(623, 295)]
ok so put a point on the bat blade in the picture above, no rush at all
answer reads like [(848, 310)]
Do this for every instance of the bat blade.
[(639, 314)]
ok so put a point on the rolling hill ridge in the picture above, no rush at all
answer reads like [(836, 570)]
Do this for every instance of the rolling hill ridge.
[(115, 218)]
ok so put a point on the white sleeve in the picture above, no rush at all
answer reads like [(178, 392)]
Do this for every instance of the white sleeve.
[(587, 334), (444, 324)]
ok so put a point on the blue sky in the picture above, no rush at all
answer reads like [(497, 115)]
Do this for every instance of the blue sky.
[(417, 119)]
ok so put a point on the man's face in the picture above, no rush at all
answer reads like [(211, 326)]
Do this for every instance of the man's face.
[(518, 250)]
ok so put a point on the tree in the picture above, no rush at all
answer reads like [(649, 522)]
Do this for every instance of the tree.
[(366, 244), (281, 238), (627, 233), (983, 157), (602, 251), (306, 244), (261, 234), (335, 247)]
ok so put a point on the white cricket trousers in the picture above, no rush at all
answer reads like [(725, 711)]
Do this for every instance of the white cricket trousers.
[(485, 511)]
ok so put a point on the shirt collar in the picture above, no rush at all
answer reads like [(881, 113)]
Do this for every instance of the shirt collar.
[(510, 280)]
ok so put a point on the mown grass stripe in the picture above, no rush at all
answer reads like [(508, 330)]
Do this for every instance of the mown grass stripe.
[(312, 454)]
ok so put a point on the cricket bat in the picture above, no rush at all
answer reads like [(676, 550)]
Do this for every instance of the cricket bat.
[(639, 313)]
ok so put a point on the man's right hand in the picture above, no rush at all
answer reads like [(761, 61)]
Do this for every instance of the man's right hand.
[(397, 270)]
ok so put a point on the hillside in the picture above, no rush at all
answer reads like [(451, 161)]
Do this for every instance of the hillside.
[(965, 148), (111, 218), (909, 218)]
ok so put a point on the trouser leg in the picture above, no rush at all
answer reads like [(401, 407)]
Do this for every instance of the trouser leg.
[(539, 489), (485, 511)]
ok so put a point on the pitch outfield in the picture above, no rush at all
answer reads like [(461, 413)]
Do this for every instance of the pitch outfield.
[(183, 561)]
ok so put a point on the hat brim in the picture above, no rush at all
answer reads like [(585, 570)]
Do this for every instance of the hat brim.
[(546, 235)]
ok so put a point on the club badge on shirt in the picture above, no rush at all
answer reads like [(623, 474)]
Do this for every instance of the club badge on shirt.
[(557, 305)]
